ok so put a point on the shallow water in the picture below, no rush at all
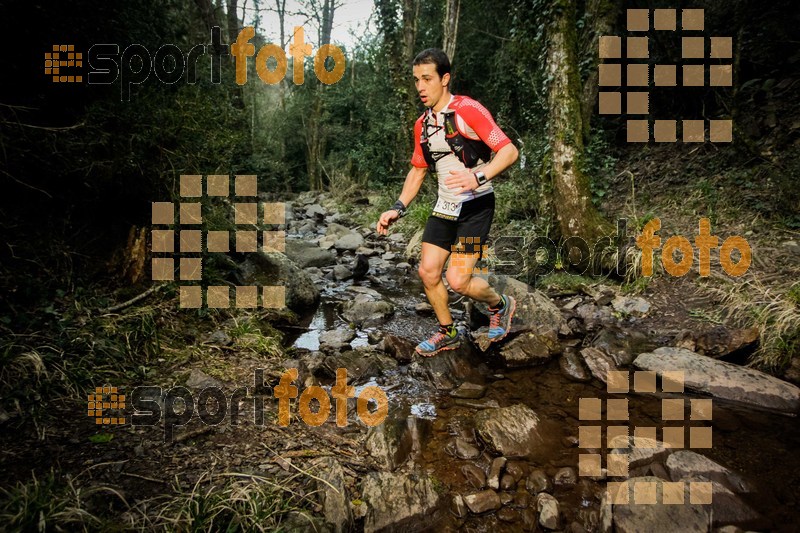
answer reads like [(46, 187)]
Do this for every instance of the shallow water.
[(762, 447)]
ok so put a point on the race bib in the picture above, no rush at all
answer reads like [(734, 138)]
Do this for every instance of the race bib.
[(446, 209)]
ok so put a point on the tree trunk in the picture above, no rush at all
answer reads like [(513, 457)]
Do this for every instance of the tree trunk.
[(451, 12), (575, 213), (602, 17), (233, 21)]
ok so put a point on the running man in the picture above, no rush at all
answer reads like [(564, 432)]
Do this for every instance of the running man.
[(454, 138)]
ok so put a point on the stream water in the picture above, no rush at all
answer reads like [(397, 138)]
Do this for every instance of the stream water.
[(760, 446)]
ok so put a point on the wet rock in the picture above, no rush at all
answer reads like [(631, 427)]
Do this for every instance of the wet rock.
[(510, 431), (506, 498), (360, 267), (684, 463), (643, 453), (507, 515), (600, 294), (337, 231), (305, 254), (516, 470), (316, 211), (423, 309), (530, 349), (399, 348), (336, 340), (534, 308), (620, 344), (398, 500), (477, 404), (684, 339), (724, 380), (495, 471), (521, 499), (538, 482), (634, 518), (315, 273), (529, 519), (361, 365), (341, 273), (389, 256), (458, 507), (634, 306), (200, 380), (448, 369), (376, 336), (471, 391), (364, 311), (571, 365), (275, 269), (463, 449), (351, 242), (598, 362), (565, 476), (335, 503), (399, 437), (397, 237), (404, 266), (481, 502), (547, 506), (326, 243), (593, 316), (507, 482), (366, 251), (474, 476), (726, 507), (720, 341)]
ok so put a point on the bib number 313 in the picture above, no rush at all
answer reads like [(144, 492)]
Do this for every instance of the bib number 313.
[(445, 209)]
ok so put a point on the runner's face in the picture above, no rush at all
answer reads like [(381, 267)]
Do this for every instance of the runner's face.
[(430, 86)]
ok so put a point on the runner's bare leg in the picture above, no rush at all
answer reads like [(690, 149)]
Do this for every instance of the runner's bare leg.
[(430, 272), (459, 276)]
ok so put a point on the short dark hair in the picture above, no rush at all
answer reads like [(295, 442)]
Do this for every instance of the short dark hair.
[(434, 56)]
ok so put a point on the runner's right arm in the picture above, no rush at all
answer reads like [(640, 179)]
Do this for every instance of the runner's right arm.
[(412, 184), (411, 188)]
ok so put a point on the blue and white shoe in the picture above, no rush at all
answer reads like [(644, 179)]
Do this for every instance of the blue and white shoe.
[(500, 319), (439, 342)]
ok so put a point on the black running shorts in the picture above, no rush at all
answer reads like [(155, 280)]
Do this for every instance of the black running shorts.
[(471, 228)]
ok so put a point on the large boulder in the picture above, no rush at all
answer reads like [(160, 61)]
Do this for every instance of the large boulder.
[(364, 311), (275, 269), (449, 369), (399, 437), (684, 463), (351, 241), (510, 431), (637, 516), (398, 501), (724, 380), (534, 309), (530, 348), (305, 254), (333, 494)]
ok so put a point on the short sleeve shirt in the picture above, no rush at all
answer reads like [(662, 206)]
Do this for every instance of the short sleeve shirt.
[(474, 122)]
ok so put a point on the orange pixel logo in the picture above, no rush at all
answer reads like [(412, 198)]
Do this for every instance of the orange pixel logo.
[(621, 445), (191, 239), (639, 74), (54, 62), (106, 398), (462, 254)]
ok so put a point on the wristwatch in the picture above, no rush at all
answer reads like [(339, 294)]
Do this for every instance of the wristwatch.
[(400, 208), (481, 177)]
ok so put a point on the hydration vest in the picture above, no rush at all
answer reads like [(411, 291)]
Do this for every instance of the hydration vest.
[(468, 151)]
